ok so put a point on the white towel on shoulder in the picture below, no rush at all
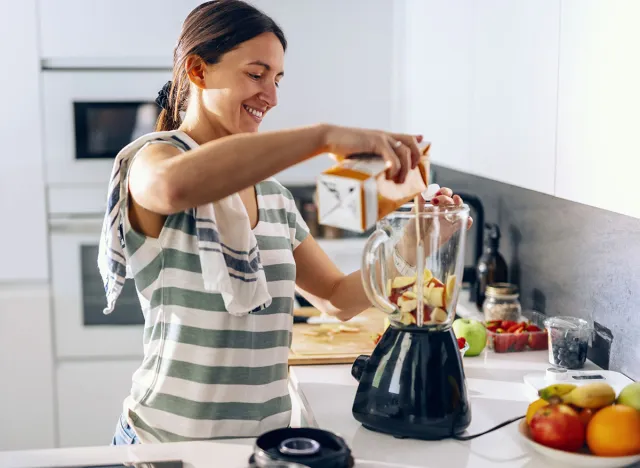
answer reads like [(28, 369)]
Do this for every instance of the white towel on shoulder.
[(227, 246)]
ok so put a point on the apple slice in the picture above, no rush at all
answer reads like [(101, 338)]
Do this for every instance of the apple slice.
[(434, 295), (451, 287), (409, 295), (436, 282), (348, 329), (403, 282), (439, 315), (427, 276), (407, 319), (388, 289), (408, 305)]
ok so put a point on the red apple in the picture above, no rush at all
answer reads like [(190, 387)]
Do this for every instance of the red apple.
[(558, 426), (585, 415)]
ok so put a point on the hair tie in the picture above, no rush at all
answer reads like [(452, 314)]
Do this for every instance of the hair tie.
[(163, 96)]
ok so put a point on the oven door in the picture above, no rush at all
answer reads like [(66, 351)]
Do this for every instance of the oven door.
[(81, 328), (91, 115)]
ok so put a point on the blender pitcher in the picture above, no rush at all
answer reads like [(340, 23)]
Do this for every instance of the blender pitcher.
[(413, 264), (413, 383)]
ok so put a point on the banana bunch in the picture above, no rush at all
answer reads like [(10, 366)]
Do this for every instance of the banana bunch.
[(593, 395)]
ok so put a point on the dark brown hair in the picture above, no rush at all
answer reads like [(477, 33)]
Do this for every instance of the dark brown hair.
[(210, 31)]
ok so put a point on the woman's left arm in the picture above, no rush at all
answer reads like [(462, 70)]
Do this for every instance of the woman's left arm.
[(320, 281)]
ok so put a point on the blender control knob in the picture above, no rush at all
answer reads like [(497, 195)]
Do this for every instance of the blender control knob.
[(358, 366)]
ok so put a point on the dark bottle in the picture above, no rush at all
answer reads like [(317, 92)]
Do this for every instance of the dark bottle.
[(491, 266)]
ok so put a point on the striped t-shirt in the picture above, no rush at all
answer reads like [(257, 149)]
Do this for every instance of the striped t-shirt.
[(206, 373)]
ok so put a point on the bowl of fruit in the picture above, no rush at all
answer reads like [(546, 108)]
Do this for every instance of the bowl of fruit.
[(587, 425), (506, 336)]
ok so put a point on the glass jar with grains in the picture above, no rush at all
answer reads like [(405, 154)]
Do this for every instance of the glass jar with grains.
[(502, 302)]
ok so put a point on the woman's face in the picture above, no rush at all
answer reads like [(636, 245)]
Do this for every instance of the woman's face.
[(241, 88)]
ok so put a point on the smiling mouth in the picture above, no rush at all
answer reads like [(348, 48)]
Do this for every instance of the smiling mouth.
[(255, 113)]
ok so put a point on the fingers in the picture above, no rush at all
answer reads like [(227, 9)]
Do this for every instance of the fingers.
[(469, 223), (442, 200), (444, 191), (410, 142), (387, 151), (404, 155)]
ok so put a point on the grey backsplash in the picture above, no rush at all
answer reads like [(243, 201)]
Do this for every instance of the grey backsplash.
[(568, 259)]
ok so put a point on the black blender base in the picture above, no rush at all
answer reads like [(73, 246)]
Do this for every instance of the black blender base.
[(419, 433), (413, 386)]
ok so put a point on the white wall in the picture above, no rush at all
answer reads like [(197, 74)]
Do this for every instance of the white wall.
[(541, 95), (23, 241)]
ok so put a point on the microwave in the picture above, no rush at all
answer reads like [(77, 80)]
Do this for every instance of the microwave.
[(90, 115)]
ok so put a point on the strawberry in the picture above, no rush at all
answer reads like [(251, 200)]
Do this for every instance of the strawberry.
[(513, 328), (461, 342), (532, 328), (501, 343), (520, 339), (538, 340), (506, 324)]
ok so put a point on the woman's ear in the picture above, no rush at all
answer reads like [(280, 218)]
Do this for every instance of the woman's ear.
[(196, 70)]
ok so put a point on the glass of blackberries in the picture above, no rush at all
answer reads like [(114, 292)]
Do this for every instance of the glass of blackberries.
[(569, 339)]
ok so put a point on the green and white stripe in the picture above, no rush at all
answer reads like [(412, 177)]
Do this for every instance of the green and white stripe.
[(206, 373)]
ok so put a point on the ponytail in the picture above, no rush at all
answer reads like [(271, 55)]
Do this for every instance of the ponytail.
[(170, 100)]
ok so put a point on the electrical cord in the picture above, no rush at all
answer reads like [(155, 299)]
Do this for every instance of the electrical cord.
[(501, 425)]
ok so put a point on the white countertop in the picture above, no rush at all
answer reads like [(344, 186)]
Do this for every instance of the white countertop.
[(496, 392), (325, 395), (194, 455)]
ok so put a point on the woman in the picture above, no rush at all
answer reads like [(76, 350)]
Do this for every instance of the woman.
[(215, 359)]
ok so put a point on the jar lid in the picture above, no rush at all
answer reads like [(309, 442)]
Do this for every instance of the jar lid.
[(502, 290), (567, 323)]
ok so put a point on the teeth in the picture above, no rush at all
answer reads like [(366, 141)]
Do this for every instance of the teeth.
[(255, 112)]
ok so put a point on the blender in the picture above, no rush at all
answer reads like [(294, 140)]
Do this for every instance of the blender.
[(413, 383)]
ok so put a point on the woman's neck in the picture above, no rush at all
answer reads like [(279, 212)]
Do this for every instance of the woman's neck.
[(200, 128)]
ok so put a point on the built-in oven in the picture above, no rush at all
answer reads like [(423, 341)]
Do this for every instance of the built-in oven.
[(81, 328), (89, 115)]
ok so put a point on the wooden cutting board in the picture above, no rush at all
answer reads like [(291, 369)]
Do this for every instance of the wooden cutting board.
[(340, 348)]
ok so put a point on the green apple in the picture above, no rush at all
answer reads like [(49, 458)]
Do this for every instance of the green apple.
[(474, 332), (630, 396)]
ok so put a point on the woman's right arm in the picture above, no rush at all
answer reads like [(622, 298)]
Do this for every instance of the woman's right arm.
[(165, 181)]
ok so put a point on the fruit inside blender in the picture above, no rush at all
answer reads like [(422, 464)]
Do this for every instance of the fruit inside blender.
[(437, 296)]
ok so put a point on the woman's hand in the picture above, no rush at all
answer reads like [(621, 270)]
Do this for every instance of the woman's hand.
[(443, 198), (399, 150)]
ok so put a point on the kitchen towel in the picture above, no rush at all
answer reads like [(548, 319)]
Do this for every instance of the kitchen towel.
[(227, 246)]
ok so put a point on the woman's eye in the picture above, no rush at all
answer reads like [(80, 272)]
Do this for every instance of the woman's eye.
[(277, 84), (254, 77)]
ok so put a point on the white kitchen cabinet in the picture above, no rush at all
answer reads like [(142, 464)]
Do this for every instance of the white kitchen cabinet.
[(26, 367), (23, 241), (514, 69), (90, 395), (599, 102), (111, 30), (433, 47)]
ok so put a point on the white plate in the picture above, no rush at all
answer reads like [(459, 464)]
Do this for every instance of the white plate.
[(575, 459)]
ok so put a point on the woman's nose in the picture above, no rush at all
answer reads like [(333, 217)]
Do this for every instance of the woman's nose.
[(270, 95)]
